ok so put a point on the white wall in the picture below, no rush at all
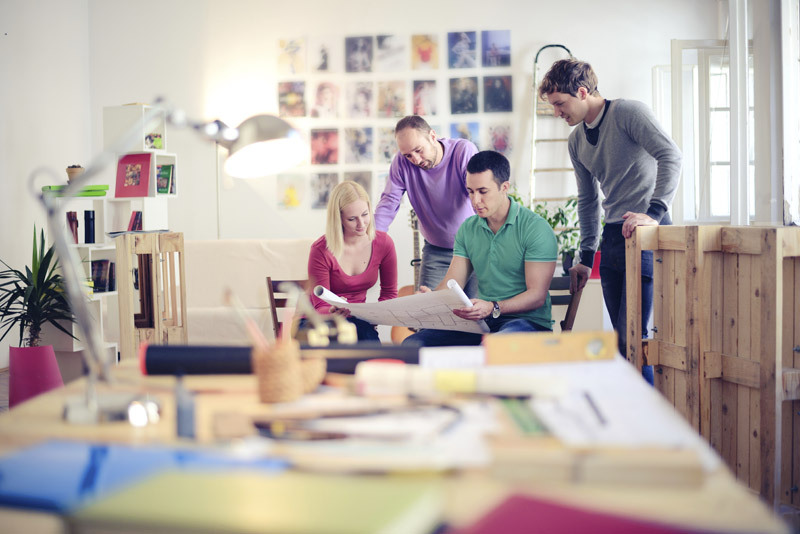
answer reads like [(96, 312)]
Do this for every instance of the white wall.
[(217, 59), (44, 105)]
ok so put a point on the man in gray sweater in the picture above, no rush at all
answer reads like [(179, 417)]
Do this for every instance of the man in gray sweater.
[(619, 149)]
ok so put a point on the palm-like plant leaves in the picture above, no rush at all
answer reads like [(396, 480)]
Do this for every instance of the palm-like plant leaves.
[(35, 297)]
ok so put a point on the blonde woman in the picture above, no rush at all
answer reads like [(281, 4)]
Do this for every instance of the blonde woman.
[(351, 255)]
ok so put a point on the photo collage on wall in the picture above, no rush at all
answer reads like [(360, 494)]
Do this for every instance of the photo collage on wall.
[(346, 93)]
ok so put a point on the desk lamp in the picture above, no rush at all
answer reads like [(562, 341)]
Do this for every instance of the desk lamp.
[(260, 146)]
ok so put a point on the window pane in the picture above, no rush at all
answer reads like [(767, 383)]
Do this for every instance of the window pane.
[(720, 126), (718, 87), (720, 192)]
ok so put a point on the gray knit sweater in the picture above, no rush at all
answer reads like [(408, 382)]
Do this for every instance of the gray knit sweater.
[(635, 163)]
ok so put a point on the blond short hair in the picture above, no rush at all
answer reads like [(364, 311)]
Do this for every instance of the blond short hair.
[(343, 194)]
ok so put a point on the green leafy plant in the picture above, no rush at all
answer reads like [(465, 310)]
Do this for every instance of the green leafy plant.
[(32, 298), (563, 219)]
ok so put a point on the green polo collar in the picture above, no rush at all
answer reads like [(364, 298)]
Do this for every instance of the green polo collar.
[(511, 218)]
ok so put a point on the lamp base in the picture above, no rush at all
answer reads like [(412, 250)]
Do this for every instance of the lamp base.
[(111, 407)]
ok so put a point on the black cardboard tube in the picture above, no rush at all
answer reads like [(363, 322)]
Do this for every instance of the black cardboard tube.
[(226, 360)]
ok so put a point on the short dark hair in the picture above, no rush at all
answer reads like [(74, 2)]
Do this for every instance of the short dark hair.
[(412, 121), (567, 76), (489, 160)]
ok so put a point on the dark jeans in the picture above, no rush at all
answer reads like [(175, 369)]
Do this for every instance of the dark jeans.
[(507, 324), (612, 279), (365, 330)]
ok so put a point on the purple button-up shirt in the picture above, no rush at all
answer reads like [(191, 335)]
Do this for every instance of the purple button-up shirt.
[(439, 196)]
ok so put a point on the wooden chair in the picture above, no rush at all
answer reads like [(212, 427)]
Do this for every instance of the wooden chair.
[(571, 301), (278, 300)]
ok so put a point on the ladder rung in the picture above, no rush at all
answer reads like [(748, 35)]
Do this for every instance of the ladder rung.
[(555, 169), (551, 140)]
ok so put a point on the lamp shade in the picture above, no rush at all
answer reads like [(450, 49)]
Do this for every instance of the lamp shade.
[(265, 145)]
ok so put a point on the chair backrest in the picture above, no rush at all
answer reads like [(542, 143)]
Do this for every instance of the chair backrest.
[(278, 300), (565, 298)]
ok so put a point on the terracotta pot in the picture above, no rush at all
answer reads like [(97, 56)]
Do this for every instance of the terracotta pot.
[(32, 370)]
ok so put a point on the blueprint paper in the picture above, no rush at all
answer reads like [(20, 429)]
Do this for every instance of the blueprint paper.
[(423, 310)]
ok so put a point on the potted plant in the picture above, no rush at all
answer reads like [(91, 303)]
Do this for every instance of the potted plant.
[(29, 300)]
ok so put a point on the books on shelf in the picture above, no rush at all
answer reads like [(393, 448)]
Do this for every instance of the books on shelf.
[(133, 175), (101, 274), (112, 277), (135, 222), (164, 183)]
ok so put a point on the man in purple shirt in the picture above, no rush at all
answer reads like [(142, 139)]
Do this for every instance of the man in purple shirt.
[(432, 171)]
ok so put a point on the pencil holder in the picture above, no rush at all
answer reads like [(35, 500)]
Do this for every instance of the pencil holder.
[(313, 372), (278, 372)]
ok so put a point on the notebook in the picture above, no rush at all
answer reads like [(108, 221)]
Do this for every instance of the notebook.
[(58, 476), (290, 502), (522, 514)]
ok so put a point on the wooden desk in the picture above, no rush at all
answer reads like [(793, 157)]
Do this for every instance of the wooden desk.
[(717, 502)]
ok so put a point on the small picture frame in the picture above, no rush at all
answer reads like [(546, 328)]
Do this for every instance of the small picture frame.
[(133, 175)]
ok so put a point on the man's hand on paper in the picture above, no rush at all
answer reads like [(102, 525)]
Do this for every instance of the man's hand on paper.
[(424, 289), (480, 309), (344, 312)]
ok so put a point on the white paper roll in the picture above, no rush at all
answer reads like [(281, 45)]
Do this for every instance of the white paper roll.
[(328, 296)]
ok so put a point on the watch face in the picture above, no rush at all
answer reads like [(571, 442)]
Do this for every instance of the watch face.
[(496, 310)]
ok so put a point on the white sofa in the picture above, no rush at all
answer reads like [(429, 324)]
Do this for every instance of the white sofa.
[(242, 265)]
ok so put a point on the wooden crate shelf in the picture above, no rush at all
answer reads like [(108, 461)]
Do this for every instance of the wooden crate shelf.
[(726, 307)]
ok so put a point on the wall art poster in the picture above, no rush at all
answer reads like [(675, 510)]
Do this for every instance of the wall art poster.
[(500, 139), (326, 100), (497, 93), (424, 51), (462, 53), (358, 54), (291, 55), (391, 54), (325, 54), (465, 130), (496, 48), (324, 146), (358, 145), (387, 146), (358, 99), (392, 99), (464, 95), (425, 97), (363, 178), (321, 186), (291, 190), (291, 99)]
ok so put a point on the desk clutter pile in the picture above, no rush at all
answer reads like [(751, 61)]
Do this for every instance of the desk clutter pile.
[(527, 433)]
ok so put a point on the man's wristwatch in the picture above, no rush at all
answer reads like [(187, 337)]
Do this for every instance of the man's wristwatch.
[(496, 310)]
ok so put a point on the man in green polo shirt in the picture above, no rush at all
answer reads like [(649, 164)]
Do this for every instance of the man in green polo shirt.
[(512, 252)]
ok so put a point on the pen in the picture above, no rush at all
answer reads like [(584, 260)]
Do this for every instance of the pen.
[(595, 409)]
